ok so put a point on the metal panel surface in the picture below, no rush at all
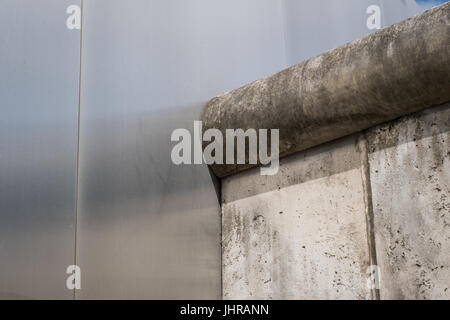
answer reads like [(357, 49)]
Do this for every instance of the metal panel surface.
[(148, 228), (39, 79), (313, 27)]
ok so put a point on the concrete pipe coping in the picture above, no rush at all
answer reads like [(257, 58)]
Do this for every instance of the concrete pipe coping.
[(398, 70)]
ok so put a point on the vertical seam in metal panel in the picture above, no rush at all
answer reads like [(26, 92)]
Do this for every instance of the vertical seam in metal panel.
[(78, 141), (368, 207)]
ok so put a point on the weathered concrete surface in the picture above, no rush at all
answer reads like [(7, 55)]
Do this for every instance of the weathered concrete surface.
[(398, 70), (300, 234), (410, 179)]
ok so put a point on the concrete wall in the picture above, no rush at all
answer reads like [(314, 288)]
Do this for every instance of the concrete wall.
[(300, 234), (311, 231)]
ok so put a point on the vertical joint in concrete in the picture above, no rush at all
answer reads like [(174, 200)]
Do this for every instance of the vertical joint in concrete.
[(368, 208)]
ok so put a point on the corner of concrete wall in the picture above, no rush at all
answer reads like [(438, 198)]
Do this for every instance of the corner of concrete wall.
[(314, 230)]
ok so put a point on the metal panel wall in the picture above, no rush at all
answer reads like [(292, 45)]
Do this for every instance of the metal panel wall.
[(148, 228), (39, 78)]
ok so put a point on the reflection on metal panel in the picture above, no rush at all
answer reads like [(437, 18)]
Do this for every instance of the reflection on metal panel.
[(148, 228), (39, 67)]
